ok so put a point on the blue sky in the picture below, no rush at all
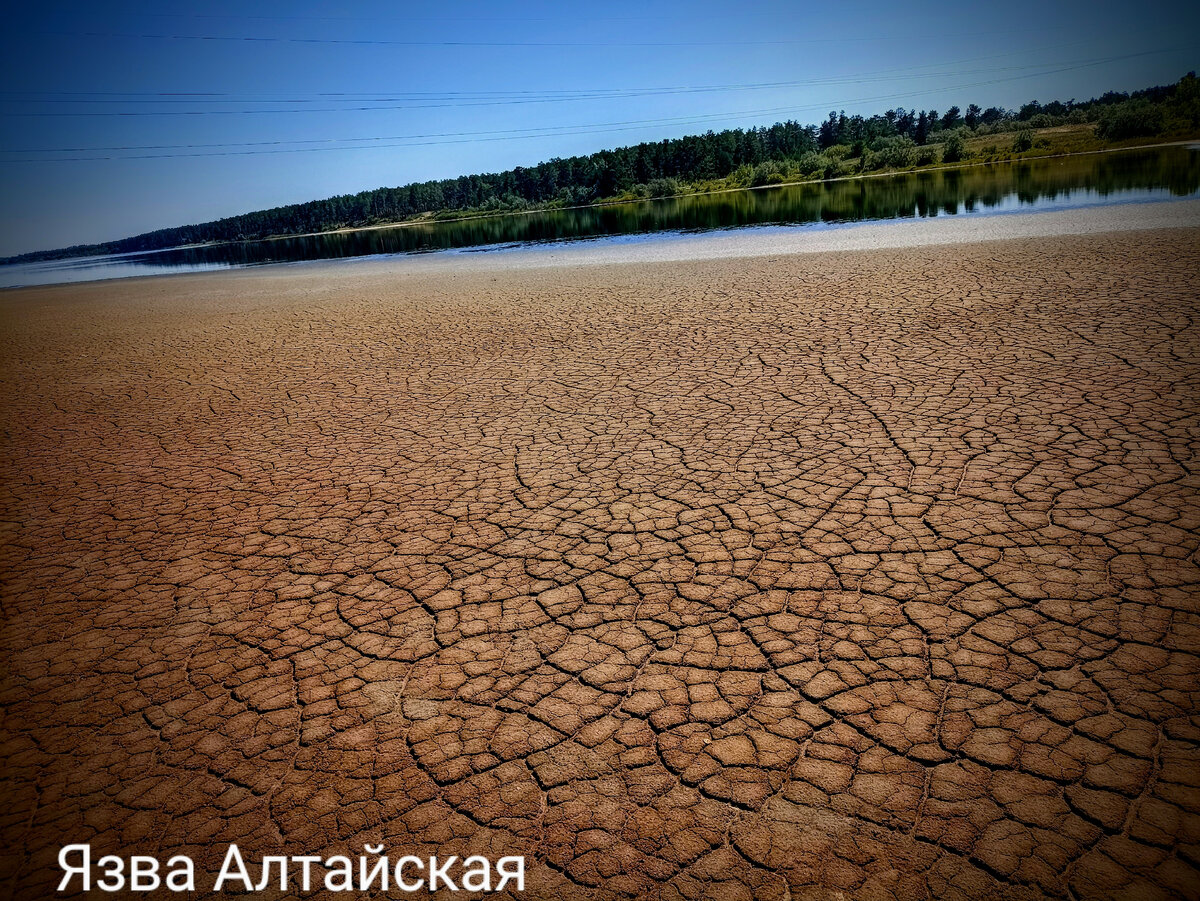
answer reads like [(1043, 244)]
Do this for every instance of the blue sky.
[(475, 87)]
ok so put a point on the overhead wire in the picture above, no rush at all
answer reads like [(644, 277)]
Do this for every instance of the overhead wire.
[(394, 42), (633, 93), (550, 131), (498, 97)]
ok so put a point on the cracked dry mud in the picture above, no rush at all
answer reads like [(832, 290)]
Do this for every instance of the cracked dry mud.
[(871, 573)]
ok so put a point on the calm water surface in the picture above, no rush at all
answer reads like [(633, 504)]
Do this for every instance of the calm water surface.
[(1030, 186)]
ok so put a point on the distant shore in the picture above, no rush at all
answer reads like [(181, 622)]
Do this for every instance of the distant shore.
[(446, 217), (887, 173)]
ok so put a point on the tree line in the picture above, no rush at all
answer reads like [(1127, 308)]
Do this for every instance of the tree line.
[(841, 144)]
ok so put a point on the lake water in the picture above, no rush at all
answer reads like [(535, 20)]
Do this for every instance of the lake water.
[(1032, 185)]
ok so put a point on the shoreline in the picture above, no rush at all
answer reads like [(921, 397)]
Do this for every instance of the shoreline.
[(940, 167), (756, 241), (745, 242), (431, 219)]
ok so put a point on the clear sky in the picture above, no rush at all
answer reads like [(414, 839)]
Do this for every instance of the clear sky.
[(125, 117)]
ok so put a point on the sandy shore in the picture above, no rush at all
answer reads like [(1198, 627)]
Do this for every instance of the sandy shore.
[(870, 572), (773, 241)]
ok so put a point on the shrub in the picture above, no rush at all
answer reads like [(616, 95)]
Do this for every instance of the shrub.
[(740, 177), (1023, 141), (926, 156), (811, 163), (1185, 105), (955, 149), (1131, 119), (768, 173), (892, 153), (662, 187)]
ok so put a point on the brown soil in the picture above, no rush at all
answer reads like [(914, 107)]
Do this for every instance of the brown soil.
[(865, 572)]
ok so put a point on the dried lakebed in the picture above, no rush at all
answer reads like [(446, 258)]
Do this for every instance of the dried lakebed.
[(868, 572)]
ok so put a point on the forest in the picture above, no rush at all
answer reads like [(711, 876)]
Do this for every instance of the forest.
[(898, 139)]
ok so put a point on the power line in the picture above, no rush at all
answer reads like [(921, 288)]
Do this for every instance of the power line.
[(547, 130), (492, 97), (632, 93), (913, 71), (1057, 47), (274, 39), (573, 18), (406, 18), (556, 131)]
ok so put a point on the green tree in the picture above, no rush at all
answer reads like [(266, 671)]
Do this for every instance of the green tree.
[(1131, 119), (954, 149)]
